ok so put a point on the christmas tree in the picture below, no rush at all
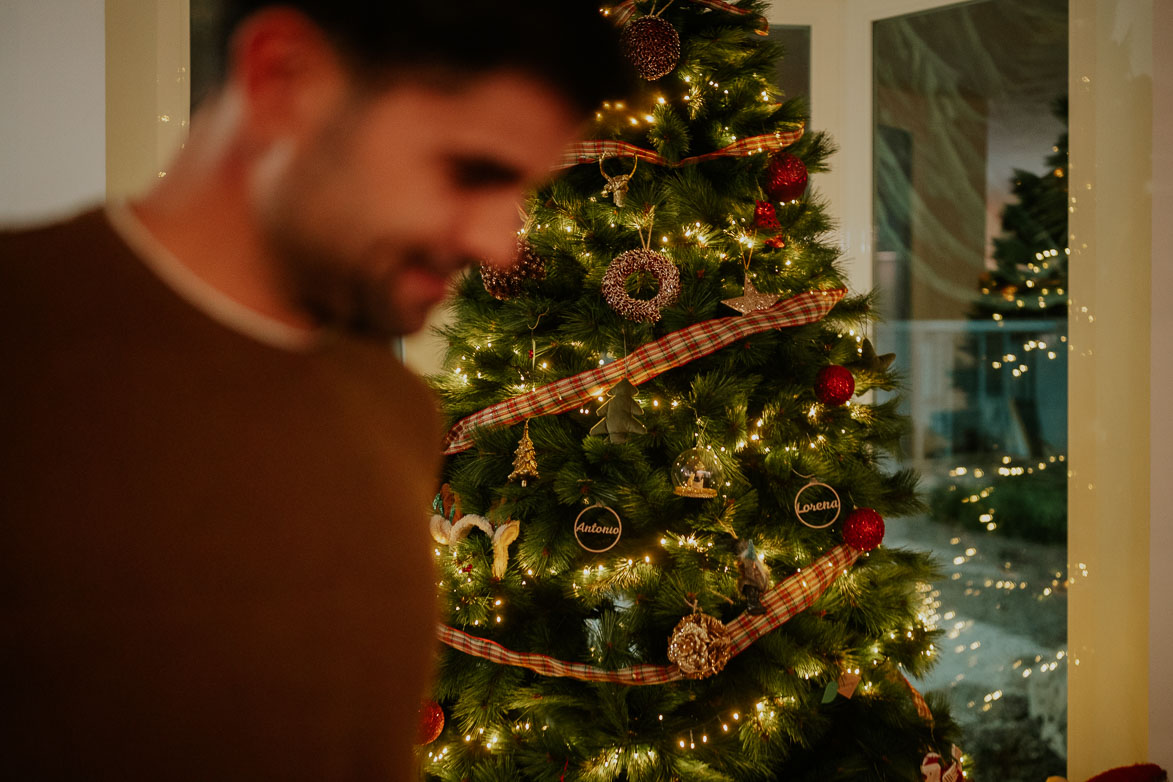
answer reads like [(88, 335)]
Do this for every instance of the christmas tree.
[(1029, 279), (689, 585)]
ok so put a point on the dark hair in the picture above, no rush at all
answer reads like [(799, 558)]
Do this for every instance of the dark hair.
[(566, 43)]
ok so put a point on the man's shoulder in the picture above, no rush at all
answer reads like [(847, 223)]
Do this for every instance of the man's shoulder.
[(69, 282), (31, 247), (90, 222)]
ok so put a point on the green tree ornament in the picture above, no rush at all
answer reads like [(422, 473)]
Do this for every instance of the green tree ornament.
[(619, 412)]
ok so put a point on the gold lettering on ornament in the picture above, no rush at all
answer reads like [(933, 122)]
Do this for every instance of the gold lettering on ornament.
[(582, 526), (828, 505)]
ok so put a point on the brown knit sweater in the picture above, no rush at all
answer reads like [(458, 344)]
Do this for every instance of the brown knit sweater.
[(214, 558)]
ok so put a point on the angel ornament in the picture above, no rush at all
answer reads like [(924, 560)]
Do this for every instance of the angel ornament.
[(616, 186)]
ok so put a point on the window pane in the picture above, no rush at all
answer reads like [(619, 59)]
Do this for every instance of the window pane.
[(794, 69), (970, 266)]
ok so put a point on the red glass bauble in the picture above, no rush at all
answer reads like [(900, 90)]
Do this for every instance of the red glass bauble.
[(834, 385), (785, 178), (431, 722), (863, 529), (765, 217)]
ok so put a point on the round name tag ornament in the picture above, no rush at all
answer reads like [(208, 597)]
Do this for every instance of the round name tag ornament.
[(817, 505), (597, 532)]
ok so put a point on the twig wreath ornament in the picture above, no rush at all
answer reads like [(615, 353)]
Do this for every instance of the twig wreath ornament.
[(629, 263)]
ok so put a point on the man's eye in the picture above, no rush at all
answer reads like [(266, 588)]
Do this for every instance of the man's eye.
[(476, 173)]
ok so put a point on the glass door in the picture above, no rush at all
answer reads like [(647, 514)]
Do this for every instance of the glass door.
[(969, 260)]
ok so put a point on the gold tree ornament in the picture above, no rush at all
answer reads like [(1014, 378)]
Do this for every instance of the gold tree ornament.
[(525, 459)]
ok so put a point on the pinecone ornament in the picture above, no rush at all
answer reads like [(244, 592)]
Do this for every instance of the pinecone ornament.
[(652, 45), (505, 283), (700, 646)]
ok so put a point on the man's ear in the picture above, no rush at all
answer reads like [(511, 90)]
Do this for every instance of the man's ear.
[(287, 72)]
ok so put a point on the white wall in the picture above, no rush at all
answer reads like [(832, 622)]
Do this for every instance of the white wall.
[(52, 106)]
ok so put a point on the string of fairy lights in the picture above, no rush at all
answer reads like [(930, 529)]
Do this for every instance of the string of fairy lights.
[(477, 607), (700, 91)]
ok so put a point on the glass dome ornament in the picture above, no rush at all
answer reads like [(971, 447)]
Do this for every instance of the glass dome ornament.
[(697, 473)]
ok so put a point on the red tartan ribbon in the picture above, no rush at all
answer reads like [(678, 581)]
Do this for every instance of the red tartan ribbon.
[(922, 706), (672, 350), (590, 151), (787, 599), (624, 10)]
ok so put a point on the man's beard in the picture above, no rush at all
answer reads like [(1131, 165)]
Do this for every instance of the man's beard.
[(354, 298)]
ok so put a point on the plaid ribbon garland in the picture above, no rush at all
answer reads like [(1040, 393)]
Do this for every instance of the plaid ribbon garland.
[(624, 10), (590, 151), (790, 597), (548, 666), (922, 706), (673, 350)]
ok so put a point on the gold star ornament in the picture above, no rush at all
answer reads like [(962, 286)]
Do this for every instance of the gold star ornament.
[(751, 300)]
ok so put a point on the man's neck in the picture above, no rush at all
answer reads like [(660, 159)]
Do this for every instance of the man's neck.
[(201, 213)]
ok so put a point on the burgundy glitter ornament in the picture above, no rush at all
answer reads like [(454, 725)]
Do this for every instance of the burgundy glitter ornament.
[(627, 264), (652, 45), (431, 722), (765, 217), (834, 385), (785, 178), (505, 283), (863, 529)]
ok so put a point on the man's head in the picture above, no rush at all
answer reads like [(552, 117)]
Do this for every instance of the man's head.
[(388, 144), (567, 44)]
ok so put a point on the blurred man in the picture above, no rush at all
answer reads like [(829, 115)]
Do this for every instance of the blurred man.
[(215, 562)]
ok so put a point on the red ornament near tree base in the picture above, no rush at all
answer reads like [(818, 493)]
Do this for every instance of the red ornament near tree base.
[(431, 722), (786, 178), (834, 385), (863, 529)]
